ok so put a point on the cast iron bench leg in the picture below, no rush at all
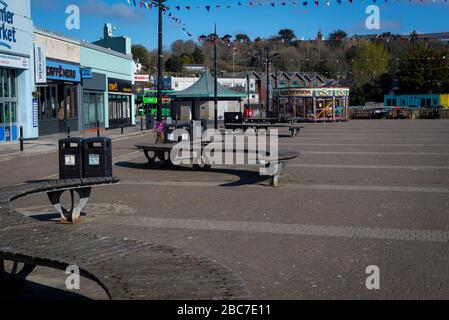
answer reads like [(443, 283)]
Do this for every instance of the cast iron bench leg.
[(74, 214), (161, 156), (14, 278), (150, 159), (278, 167)]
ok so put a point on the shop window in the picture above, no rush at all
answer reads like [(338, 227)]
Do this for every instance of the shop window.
[(8, 112), (8, 83), (2, 113), (48, 102), (295, 84), (282, 83)]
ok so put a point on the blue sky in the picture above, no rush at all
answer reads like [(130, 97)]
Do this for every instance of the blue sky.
[(397, 16)]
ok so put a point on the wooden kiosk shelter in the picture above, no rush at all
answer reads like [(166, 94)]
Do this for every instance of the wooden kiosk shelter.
[(312, 104)]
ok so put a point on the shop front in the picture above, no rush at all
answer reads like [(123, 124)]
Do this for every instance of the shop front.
[(312, 104), (58, 100), (16, 71), (94, 89), (120, 102)]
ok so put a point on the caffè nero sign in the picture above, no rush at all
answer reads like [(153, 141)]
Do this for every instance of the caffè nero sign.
[(8, 32)]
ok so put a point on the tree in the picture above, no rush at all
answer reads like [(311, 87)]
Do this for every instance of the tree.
[(287, 35), (372, 60), (426, 70), (337, 37), (174, 64), (186, 58), (198, 56), (241, 37), (142, 53)]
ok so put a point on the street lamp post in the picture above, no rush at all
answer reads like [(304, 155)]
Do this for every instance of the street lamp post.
[(214, 39), (248, 89), (215, 80), (268, 66), (160, 71)]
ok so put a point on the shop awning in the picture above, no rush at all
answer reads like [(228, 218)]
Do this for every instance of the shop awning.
[(203, 90)]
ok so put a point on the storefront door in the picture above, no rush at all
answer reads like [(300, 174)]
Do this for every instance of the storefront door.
[(8, 105), (93, 106), (68, 112), (119, 110)]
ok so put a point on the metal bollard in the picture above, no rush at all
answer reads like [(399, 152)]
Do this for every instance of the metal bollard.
[(121, 125), (68, 131), (98, 128), (21, 138), (141, 124)]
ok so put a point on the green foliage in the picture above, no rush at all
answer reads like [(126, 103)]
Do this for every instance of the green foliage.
[(287, 35), (337, 37), (372, 60), (198, 56), (426, 70), (241, 37), (174, 64), (142, 53)]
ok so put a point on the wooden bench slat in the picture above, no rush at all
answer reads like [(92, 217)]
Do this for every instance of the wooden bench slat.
[(122, 267)]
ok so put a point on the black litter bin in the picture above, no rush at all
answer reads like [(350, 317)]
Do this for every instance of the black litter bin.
[(97, 157), (233, 117), (70, 158)]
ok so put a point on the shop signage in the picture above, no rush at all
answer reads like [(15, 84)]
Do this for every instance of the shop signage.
[(35, 114), (40, 60), (63, 71), (138, 89), (122, 86), (141, 78), (10, 61), (314, 92), (7, 30), (86, 73)]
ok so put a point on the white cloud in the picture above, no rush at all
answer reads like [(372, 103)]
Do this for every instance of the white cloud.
[(119, 11)]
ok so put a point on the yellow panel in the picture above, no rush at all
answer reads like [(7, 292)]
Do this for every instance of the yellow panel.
[(444, 100)]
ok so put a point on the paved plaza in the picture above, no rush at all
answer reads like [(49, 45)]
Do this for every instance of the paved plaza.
[(362, 193)]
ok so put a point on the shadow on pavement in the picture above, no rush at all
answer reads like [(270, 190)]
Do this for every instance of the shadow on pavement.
[(246, 177), (35, 291)]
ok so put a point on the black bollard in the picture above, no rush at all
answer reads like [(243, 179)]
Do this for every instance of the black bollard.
[(98, 129), (21, 138), (141, 124), (68, 131), (121, 125)]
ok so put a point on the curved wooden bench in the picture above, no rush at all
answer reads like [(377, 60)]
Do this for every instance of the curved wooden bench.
[(163, 153), (125, 269)]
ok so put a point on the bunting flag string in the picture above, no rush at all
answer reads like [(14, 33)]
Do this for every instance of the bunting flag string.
[(270, 3), (143, 4)]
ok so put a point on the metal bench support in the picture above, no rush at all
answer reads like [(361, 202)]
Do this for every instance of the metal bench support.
[(276, 172), (14, 278), (74, 214)]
